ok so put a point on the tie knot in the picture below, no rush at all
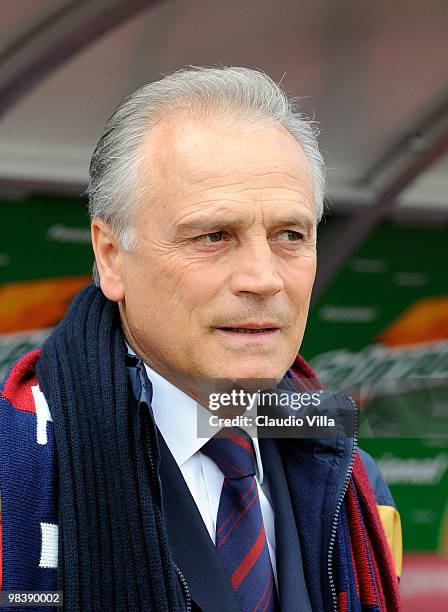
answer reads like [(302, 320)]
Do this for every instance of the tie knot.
[(232, 451)]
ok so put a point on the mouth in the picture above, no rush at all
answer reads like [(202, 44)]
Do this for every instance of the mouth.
[(250, 330), (245, 330)]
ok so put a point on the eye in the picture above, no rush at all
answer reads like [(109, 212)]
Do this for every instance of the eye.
[(292, 236), (212, 237)]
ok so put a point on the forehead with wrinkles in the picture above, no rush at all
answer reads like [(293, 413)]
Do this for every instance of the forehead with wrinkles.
[(186, 158)]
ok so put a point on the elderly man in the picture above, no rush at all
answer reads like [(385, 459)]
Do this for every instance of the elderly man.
[(205, 191)]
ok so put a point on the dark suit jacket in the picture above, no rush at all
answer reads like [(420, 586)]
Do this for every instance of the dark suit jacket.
[(194, 551)]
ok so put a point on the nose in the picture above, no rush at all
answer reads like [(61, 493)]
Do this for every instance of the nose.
[(255, 270)]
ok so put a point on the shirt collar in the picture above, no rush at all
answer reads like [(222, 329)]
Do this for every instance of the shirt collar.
[(175, 414)]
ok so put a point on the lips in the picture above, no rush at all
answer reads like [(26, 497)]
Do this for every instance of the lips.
[(248, 330), (251, 329), (252, 325)]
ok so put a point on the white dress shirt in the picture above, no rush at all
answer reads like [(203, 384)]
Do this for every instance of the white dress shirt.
[(175, 414)]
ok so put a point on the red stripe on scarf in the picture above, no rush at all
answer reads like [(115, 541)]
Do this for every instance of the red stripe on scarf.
[(17, 389), (378, 578), (361, 552), (387, 582), (342, 601), (302, 371)]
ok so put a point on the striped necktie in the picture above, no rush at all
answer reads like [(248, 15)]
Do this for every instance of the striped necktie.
[(240, 534)]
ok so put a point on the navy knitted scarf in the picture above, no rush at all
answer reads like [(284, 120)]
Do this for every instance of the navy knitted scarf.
[(113, 547)]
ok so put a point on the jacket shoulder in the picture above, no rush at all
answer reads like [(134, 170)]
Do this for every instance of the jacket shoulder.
[(383, 495)]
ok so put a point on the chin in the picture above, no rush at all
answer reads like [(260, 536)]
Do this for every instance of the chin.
[(259, 373)]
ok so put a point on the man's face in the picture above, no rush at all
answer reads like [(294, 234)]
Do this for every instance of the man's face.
[(227, 244)]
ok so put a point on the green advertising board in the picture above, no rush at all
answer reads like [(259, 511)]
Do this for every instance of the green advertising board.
[(44, 238)]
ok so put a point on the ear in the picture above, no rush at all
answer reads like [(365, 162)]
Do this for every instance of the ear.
[(108, 256)]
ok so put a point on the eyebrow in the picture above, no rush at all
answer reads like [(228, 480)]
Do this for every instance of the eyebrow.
[(211, 223)]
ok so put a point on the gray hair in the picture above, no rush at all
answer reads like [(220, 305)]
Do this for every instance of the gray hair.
[(116, 190)]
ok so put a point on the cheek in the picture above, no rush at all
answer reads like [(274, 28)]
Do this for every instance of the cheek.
[(299, 278), (194, 287), (299, 285), (178, 286)]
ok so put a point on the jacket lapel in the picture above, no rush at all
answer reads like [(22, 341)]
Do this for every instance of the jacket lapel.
[(291, 580), (317, 472), (191, 545)]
